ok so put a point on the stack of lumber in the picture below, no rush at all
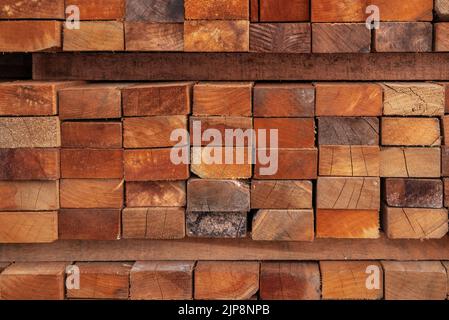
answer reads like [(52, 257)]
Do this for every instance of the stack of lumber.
[(293, 26), (111, 178)]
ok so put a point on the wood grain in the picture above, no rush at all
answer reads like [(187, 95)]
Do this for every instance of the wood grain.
[(297, 164), (414, 193), (441, 37), (39, 9), (340, 38), (343, 99), (30, 36), (98, 135), (221, 124), (151, 132), (99, 9), (351, 161), (222, 99), (280, 37), (30, 132), (348, 131), (283, 225), (290, 281), (348, 193), (403, 37), (29, 195), (281, 194), (292, 132), (156, 194), (216, 9), (142, 36), (410, 162), (347, 224), (28, 227), (30, 98), (242, 67), (216, 36), (102, 280), (410, 132), (29, 164), (413, 99), (286, 100), (226, 280), (442, 9), (155, 10), (153, 164), (153, 223), (91, 193), (346, 280), (217, 195), (162, 280), (354, 10), (238, 167), (445, 161), (216, 224), (90, 101), (91, 164), (413, 223), (254, 10), (231, 249), (422, 280), (284, 10), (95, 36), (33, 281), (157, 99), (89, 224)]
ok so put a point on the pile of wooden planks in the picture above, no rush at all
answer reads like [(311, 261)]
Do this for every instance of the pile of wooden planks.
[(231, 280), (288, 26)]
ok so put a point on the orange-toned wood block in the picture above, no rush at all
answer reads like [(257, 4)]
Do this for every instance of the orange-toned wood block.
[(156, 194), (284, 10), (30, 36), (290, 281), (216, 9), (152, 132), (91, 193), (284, 100), (29, 164), (297, 164), (216, 36), (342, 99), (283, 225), (351, 161), (91, 101), (226, 280), (29, 195), (99, 9), (99, 135), (348, 193), (162, 280), (292, 132), (33, 281), (347, 280), (410, 132), (142, 36), (153, 223), (95, 36), (154, 165), (420, 280), (281, 194), (89, 224), (102, 280), (347, 224), (222, 99), (28, 227), (36, 9), (157, 99), (91, 164)]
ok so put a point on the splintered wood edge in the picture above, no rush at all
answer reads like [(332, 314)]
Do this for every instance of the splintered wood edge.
[(241, 66), (219, 249)]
